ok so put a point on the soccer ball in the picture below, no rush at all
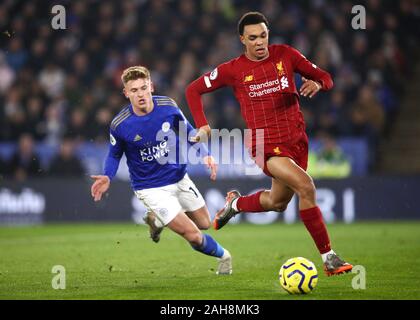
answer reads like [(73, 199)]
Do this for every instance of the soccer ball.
[(298, 276)]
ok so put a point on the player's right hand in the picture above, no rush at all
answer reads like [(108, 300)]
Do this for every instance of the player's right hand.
[(211, 164), (99, 187), (202, 135)]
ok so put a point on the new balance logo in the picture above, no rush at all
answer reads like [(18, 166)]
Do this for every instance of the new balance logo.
[(249, 78), (137, 138)]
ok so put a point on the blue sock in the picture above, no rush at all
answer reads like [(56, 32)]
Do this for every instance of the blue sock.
[(210, 247)]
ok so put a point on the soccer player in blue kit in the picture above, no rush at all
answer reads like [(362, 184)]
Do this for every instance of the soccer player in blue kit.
[(142, 131)]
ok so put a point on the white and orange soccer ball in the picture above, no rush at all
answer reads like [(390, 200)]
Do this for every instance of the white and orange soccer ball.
[(298, 276)]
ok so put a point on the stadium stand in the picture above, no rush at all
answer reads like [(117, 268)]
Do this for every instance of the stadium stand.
[(65, 83)]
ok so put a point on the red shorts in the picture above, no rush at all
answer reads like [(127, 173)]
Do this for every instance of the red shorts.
[(296, 150)]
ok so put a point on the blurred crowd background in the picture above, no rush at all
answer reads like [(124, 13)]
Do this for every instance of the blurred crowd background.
[(62, 88)]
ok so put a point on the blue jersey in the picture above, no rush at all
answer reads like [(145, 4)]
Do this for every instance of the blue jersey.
[(151, 144)]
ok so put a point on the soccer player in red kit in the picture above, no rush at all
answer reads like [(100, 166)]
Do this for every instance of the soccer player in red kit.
[(263, 82)]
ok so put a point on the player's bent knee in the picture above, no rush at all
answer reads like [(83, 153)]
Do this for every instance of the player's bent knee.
[(204, 225), (280, 206), (307, 190)]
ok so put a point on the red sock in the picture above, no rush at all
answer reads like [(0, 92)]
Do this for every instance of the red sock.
[(312, 218), (250, 203)]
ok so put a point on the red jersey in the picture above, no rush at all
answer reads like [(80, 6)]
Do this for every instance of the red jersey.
[(265, 90)]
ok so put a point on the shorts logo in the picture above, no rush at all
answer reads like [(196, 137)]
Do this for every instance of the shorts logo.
[(191, 188), (213, 74), (276, 150), (166, 126), (249, 78), (137, 138), (163, 212)]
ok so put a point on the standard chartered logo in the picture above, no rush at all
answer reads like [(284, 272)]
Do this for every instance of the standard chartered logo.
[(258, 90), (154, 152)]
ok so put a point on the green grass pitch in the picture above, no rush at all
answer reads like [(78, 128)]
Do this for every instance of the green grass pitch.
[(119, 261)]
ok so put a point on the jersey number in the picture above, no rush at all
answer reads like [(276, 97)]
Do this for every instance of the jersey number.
[(194, 191)]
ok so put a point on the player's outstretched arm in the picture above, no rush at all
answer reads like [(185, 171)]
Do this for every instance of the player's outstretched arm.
[(99, 186), (208, 82)]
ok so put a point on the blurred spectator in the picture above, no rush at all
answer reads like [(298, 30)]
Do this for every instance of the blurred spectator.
[(57, 83), (24, 162), (3, 169), (101, 125), (309, 116), (386, 97), (7, 74), (367, 113), (78, 125), (73, 92), (52, 124), (81, 68), (330, 161), (14, 114), (37, 54), (334, 117), (66, 163), (17, 55), (35, 116), (52, 80)]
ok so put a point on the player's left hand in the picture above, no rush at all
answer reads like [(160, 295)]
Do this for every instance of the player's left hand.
[(309, 87), (100, 186), (211, 164)]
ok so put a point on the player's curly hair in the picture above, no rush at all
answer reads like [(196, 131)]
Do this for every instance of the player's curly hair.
[(252, 17), (134, 73)]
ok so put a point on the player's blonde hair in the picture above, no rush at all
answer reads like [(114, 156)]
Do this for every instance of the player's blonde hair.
[(134, 73)]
